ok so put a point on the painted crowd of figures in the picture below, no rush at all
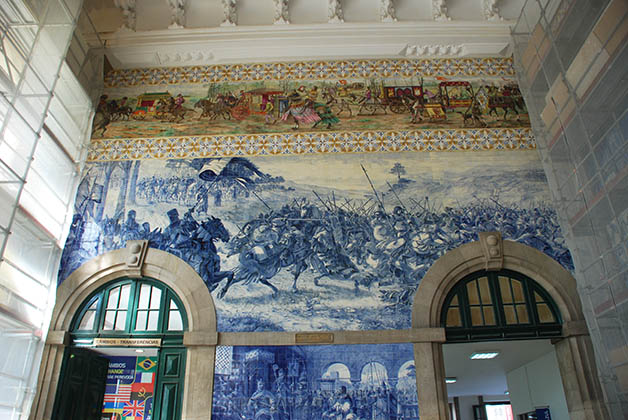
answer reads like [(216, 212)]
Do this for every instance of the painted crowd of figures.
[(316, 106), (360, 242), (285, 384), (300, 403)]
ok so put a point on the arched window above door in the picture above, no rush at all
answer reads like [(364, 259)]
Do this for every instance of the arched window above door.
[(131, 307), (499, 305)]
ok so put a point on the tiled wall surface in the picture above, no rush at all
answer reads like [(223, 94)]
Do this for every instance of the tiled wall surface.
[(368, 381), (572, 62)]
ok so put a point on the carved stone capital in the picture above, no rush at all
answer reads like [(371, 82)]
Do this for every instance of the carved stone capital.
[(282, 15), (387, 11), (493, 247), (129, 12), (231, 15), (490, 10), (439, 10), (177, 13), (334, 12), (575, 328), (58, 338)]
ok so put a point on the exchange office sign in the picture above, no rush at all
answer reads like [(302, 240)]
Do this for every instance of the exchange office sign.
[(128, 342)]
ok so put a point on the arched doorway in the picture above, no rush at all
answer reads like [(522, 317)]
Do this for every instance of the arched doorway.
[(178, 283), (490, 254), (498, 356), (136, 328)]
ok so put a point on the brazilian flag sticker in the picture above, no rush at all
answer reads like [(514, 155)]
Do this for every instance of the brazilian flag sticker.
[(148, 364)]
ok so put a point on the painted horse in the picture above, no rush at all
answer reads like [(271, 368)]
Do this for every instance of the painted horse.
[(205, 256)]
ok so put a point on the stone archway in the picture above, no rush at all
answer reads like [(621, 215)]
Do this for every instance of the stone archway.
[(574, 350), (135, 261)]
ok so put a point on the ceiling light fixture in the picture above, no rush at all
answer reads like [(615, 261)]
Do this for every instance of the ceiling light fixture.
[(484, 355), (139, 351), (451, 380)]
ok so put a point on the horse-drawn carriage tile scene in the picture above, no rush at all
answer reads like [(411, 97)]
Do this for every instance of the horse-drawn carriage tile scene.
[(317, 97)]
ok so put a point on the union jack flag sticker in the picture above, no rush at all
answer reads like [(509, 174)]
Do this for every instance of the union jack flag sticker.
[(133, 409)]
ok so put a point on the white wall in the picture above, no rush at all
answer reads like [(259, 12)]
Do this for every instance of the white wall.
[(538, 384), (466, 403)]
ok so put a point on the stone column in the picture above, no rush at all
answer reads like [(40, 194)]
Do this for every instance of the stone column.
[(430, 381), (199, 375), (49, 370), (578, 372)]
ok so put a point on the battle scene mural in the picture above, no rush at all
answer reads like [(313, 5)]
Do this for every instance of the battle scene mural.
[(313, 242), (374, 381)]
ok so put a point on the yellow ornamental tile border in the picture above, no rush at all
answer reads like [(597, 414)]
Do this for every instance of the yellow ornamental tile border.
[(437, 140), (313, 70)]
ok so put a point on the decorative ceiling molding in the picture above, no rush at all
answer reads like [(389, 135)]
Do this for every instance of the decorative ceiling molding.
[(323, 70), (437, 50), (387, 12), (439, 10), (129, 12), (177, 14), (334, 12), (490, 10), (282, 15), (231, 14), (246, 44), (184, 58)]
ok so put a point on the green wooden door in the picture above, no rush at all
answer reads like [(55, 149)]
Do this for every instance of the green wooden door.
[(82, 386), (170, 378)]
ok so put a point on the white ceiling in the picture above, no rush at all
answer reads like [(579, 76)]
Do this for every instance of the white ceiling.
[(201, 38), (155, 14), (488, 377)]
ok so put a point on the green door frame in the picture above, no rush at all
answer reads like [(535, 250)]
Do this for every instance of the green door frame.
[(171, 354)]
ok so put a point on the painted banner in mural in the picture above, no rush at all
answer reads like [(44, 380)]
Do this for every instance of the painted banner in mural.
[(376, 97), (129, 389), (313, 242), (370, 381)]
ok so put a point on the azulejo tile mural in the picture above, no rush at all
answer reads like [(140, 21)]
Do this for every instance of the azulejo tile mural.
[(311, 107), (313, 70), (375, 381), (308, 143), (315, 195), (314, 241)]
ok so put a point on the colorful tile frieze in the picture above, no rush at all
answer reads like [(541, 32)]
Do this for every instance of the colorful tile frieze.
[(102, 150), (311, 107), (313, 70)]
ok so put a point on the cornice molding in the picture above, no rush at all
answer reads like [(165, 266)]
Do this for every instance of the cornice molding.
[(245, 44), (434, 50)]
